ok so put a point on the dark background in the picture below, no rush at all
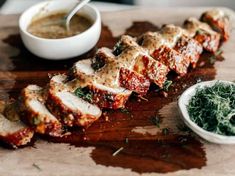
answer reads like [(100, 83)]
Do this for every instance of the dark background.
[(113, 1), (118, 1)]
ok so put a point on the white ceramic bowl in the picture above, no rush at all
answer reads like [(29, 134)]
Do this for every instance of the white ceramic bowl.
[(64, 48), (184, 101)]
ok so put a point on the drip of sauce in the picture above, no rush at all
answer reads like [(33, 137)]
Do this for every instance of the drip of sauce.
[(49, 28), (143, 153)]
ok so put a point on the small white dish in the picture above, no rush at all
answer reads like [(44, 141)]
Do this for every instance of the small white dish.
[(182, 104), (65, 48)]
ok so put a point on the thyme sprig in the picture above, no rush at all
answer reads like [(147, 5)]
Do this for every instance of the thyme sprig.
[(118, 151), (167, 85), (213, 108)]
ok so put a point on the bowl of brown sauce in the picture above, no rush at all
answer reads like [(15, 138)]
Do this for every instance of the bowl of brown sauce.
[(47, 39)]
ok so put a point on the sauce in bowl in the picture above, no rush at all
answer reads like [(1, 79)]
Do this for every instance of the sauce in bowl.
[(46, 27)]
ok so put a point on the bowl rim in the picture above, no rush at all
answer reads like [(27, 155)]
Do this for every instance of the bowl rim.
[(182, 106), (94, 24)]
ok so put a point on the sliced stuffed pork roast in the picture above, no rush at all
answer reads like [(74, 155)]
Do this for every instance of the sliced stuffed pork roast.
[(71, 107)]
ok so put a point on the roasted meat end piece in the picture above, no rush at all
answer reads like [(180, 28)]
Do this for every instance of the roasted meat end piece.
[(35, 113), (218, 21), (133, 81), (190, 49), (172, 59), (14, 133), (203, 33)]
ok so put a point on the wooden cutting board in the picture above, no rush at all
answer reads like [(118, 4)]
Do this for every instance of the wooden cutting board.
[(148, 148)]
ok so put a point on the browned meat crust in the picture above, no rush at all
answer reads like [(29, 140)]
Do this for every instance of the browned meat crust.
[(133, 81), (189, 48), (220, 24)]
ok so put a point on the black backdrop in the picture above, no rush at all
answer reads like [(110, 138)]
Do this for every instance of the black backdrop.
[(115, 1)]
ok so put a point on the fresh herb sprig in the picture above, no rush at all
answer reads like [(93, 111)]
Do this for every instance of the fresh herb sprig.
[(213, 108), (167, 85)]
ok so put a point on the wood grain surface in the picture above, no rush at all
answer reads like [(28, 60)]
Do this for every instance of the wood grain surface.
[(148, 149)]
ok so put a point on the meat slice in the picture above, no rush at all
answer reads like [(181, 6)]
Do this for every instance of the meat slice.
[(151, 41), (35, 113), (104, 95), (218, 21), (189, 48), (154, 43), (14, 133), (133, 81), (203, 33), (135, 58), (69, 108), (176, 38), (123, 73)]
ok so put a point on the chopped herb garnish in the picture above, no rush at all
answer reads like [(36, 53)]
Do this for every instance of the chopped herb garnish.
[(167, 85), (125, 111), (84, 94), (182, 139), (213, 108), (36, 121), (165, 131), (183, 128), (109, 97), (199, 80), (126, 140), (165, 156), (118, 151), (156, 121), (200, 31), (213, 58), (36, 166)]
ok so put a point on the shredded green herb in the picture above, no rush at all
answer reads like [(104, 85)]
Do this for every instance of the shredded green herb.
[(213, 58), (36, 121), (84, 94), (213, 108), (126, 140), (125, 111), (156, 121), (183, 128), (167, 85), (109, 97), (118, 151), (165, 131), (36, 166), (200, 31)]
